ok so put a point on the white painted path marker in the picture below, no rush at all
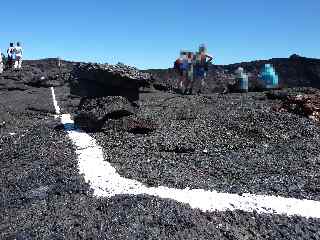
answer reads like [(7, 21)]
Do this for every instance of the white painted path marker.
[(106, 182)]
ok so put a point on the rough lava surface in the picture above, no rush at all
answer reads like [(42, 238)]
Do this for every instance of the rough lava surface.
[(99, 80), (227, 142)]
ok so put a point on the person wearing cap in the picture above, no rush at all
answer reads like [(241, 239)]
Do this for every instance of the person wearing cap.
[(18, 53)]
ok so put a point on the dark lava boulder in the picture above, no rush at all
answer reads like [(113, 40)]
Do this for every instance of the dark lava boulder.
[(301, 101), (284, 94), (94, 112), (37, 73), (305, 105), (162, 87), (99, 80)]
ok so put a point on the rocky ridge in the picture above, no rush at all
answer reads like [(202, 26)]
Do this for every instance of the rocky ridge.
[(295, 71)]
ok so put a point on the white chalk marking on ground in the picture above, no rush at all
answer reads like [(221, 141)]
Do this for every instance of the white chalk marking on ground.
[(55, 103), (106, 182)]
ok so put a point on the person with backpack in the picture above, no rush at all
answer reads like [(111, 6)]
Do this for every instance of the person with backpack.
[(181, 65), (10, 53), (202, 65), (18, 54)]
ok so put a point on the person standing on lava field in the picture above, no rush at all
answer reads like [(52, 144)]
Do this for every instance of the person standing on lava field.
[(190, 74), (178, 68), (18, 53), (10, 52), (201, 65), (181, 65)]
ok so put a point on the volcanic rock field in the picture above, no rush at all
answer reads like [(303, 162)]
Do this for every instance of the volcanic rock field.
[(260, 143)]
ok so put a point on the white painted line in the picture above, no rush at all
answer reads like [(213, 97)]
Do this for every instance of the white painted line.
[(106, 182), (55, 103)]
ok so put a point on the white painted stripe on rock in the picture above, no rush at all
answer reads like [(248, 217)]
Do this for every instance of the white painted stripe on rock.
[(55, 103), (106, 182)]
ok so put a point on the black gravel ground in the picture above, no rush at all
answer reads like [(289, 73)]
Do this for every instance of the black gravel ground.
[(42, 195), (215, 142)]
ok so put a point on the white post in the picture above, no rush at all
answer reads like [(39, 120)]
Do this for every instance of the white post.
[(59, 62)]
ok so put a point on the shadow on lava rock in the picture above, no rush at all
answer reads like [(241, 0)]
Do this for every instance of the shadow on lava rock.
[(145, 91), (66, 127), (70, 127)]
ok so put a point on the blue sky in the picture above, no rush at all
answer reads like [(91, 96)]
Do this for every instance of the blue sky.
[(150, 34)]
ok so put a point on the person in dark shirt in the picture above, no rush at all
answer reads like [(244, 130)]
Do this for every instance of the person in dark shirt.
[(201, 65), (10, 53)]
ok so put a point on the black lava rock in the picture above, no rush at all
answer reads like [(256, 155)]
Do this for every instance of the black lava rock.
[(97, 80), (94, 112), (37, 73)]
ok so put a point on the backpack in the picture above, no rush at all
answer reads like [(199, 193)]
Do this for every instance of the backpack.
[(10, 51), (4, 59), (204, 63), (177, 64)]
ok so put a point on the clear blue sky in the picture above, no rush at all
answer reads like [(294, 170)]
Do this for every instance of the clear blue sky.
[(149, 34)]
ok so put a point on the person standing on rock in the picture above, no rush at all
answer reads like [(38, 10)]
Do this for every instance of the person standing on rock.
[(10, 53), (18, 53), (201, 65)]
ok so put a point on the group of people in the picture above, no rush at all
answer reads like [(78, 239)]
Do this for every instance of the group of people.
[(13, 59), (268, 77), (192, 67)]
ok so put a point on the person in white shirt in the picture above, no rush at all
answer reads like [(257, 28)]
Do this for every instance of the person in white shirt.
[(1, 63), (18, 52), (10, 53)]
